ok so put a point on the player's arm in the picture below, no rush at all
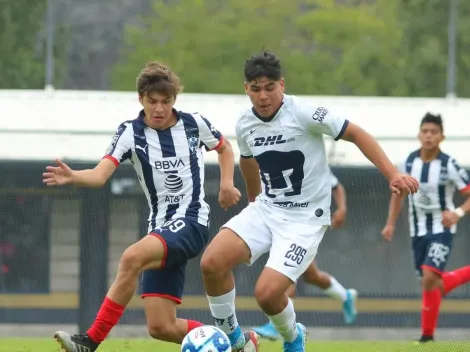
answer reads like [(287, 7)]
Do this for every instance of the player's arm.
[(62, 174), (394, 209), (226, 164), (250, 172), (212, 139), (320, 121), (118, 151), (339, 196), (461, 180), (374, 152)]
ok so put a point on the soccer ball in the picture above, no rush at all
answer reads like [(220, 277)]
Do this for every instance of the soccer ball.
[(206, 339)]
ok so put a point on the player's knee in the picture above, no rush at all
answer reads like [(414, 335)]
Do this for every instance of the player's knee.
[(430, 280), (211, 264), (130, 260), (161, 330), (267, 294)]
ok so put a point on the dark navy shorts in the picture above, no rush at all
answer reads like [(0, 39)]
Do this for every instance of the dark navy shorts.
[(183, 239), (432, 252)]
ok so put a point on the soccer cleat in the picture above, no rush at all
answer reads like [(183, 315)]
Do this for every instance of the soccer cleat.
[(252, 342), (298, 345), (268, 331), (75, 343), (424, 339), (349, 306), (237, 339)]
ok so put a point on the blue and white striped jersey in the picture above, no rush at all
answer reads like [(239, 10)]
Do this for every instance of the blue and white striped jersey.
[(438, 181), (169, 164)]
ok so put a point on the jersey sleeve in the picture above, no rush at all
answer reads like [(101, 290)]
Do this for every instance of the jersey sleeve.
[(458, 175), (320, 120), (245, 151), (119, 149), (334, 180), (209, 136)]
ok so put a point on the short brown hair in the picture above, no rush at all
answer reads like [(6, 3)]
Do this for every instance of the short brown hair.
[(158, 78)]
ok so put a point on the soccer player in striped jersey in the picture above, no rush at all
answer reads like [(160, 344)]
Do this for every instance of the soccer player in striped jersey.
[(164, 146), (433, 219), (321, 279)]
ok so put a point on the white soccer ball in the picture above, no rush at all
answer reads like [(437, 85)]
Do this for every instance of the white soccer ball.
[(206, 339)]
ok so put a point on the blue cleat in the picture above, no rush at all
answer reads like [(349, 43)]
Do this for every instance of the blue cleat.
[(237, 339), (349, 307), (298, 345), (268, 331)]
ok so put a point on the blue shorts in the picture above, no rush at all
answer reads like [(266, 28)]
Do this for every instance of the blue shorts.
[(183, 239), (432, 252)]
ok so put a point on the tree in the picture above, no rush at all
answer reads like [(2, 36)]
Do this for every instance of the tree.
[(322, 44), (425, 46), (22, 63)]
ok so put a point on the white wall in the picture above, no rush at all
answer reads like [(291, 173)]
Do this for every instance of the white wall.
[(78, 125)]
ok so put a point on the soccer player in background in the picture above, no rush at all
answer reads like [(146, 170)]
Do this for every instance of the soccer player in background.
[(321, 279), (433, 218), (281, 140), (164, 147)]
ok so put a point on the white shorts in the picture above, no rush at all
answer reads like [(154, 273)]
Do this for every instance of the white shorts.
[(292, 246)]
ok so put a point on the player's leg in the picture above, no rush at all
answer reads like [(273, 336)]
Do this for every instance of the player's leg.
[(155, 251), (162, 291), (334, 289), (436, 254), (147, 253), (242, 240), (294, 248)]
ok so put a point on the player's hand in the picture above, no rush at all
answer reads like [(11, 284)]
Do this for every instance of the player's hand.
[(228, 196), (403, 183), (387, 232), (338, 218), (57, 175), (449, 218)]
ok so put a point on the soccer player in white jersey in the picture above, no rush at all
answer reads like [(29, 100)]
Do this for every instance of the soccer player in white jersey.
[(321, 279), (164, 147), (433, 218), (284, 137)]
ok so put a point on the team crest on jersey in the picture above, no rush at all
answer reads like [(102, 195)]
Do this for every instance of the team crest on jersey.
[(193, 143)]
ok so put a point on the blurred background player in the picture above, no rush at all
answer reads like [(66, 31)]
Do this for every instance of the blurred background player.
[(433, 218), (281, 140), (321, 279), (164, 147)]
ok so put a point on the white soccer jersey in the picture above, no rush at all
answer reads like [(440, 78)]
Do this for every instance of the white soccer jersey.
[(169, 164), (290, 151), (438, 181)]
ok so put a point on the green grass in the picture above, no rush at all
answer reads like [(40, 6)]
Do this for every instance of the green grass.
[(148, 345)]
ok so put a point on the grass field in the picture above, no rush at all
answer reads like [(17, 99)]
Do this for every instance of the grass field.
[(148, 345)]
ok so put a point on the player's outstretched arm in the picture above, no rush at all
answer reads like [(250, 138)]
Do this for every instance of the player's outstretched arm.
[(372, 150), (62, 174), (250, 171), (394, 209), (339, 216), (228, 195)]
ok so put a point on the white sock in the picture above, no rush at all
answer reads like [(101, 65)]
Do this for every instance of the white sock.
[(285, 323), (336, 290), (223, 311)]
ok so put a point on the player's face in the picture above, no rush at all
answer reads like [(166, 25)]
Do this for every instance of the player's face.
[(430, 136), (265, 95), (158, 110)]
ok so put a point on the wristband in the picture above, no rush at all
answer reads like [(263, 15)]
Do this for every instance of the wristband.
[(459, 212)]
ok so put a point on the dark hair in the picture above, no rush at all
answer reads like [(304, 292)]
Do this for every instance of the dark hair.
[(264, 64), (158, 78), (430, 118)]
